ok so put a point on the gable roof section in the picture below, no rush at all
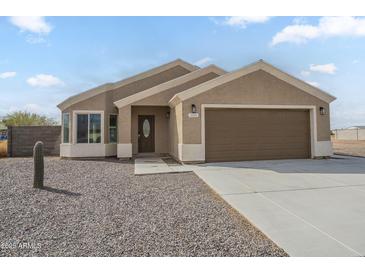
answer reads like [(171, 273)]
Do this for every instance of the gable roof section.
[(259, 65), (167, 85), (110, 86)]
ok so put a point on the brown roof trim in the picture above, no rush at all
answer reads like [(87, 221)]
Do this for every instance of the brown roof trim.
[(259, 65), (109, 86)]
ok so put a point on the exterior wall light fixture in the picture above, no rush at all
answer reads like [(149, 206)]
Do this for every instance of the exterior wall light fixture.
[(322, 111)]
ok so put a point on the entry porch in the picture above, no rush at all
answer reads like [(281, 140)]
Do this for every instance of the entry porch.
[(143, 129)]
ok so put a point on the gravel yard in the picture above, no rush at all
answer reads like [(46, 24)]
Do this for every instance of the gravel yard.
[(349, 147), (99, 208)]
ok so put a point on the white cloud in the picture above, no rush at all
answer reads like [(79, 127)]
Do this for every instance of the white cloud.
[(295, 34), (305, 73), (204, 61), (35, 39), (355, 61), (327, 68), (345, 26), (299, 20), (7, 74), (327, 27), (315, 84), (34, 24), (243, 21), (44, 80)]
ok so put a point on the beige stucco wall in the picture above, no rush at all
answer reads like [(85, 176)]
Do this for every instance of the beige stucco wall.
[(175, 129), (124, 125), (104, 102), (97, 103), (257, 88), (162, 144), (163, 98)]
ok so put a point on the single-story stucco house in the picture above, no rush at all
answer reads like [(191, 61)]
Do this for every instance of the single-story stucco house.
[(200, 115)]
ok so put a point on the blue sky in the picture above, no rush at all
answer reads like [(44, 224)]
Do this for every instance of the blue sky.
[(44, 60)]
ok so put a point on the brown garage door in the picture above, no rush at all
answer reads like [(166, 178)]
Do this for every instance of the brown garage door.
[(256, 134)]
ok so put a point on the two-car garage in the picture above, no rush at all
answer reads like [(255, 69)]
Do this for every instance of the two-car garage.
[(236, 134), (255, 113)]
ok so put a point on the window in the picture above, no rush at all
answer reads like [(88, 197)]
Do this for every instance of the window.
[(66, 127), (89, 128), (113, 128), (94, 128), (82, 126), (146, 128)]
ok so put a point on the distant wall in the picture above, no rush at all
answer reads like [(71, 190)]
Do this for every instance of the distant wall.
[(21, 140), (349, 134)]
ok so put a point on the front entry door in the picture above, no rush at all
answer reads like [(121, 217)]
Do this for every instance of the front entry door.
[(146, 133)]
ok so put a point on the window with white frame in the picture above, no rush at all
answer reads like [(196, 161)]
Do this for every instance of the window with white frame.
[(88, 128), (113, 118), (66, 127)]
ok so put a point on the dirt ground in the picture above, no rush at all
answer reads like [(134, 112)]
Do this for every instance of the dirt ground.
[(349, 147), (3, 148)]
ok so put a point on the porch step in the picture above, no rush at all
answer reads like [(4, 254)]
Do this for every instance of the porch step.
[(155, 165)]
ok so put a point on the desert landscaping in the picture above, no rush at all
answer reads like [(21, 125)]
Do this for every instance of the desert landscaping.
[(99, 208)]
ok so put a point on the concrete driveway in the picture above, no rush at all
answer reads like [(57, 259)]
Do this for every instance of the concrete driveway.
[(308, 207)]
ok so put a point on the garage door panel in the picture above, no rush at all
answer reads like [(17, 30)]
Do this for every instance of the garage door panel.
[(234, 155), (252, 139), (229, 151), (225, 147), (250, 130), (255, 134)]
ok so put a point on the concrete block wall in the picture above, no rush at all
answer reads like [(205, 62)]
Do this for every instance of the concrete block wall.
[(361, 134), (21, 140), (350, 134)]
